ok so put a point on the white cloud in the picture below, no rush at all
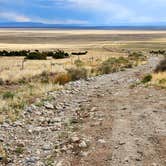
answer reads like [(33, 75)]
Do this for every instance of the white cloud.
[(96, 11), (55, 21), (12, 16)]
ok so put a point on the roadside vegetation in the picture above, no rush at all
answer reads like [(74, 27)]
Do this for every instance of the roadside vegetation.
[(16, 93), (158, 77)]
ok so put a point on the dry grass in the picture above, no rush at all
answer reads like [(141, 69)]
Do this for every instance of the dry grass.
[(11, 67), (159, 79), (10, 108)]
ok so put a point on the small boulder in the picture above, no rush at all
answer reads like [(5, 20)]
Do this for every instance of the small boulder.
[(48, 106)]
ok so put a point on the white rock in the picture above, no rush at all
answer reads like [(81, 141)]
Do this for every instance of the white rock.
[(75, 139), (102, 141), (49, 106), (83, 144)]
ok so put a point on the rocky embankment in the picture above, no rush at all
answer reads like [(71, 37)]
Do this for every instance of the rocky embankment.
[(106, 120)]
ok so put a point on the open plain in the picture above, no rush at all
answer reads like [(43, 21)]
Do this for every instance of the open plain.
[(106, 120)]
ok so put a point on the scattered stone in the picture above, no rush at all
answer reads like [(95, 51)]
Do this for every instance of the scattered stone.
[(31, 108), (102, 141), (138, 158), (35, 129), (83, 144), (96, 124), (31, 160), (155, 111), (75, 139), (47, 147), (17, 123), (48, 105), (116, 147), (154, 164), (84, 154), (93, 109), (57, 119), (126, 160), (5, 125), (122, 143), (124, 108)]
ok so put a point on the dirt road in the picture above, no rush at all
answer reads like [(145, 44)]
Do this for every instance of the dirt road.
[(107, 120)]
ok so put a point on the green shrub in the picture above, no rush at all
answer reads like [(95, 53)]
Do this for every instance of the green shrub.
[(147, 78), (113, 65), (157, 52), (60, 54), (19, 150), (8, 95), (77, 73), (79, 53), (36, 56), (161, 67), (136, 56)]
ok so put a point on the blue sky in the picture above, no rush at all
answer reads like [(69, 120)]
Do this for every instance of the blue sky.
[(85, 12)]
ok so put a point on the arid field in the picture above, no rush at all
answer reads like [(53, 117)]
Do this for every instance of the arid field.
[(100, 45), (106, 107), (79, 39)]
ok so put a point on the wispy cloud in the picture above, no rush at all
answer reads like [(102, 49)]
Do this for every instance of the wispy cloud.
[(60, 21), (12, 16), (92, 12)]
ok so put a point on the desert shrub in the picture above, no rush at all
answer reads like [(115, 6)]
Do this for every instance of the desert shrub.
[(78, 63), (113, 65), (161, 67), (136, 56), (79, 53), (77, 73), (23, 80), (44, 77), (60, 54), (162, 81), (157, 52), (17, 105), (147, 78), (36, 56), (19, 150), (49, 53), (2, 81), (14, 53), (8, 95), (61, 78)]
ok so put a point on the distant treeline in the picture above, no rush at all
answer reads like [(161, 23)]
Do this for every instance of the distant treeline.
[(36, 55), (58, 54)]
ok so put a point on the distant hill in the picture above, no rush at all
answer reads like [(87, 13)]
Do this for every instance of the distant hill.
[(24, 25), (71, 26)]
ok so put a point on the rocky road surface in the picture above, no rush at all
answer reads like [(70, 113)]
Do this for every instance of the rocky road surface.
[(109, 120)]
